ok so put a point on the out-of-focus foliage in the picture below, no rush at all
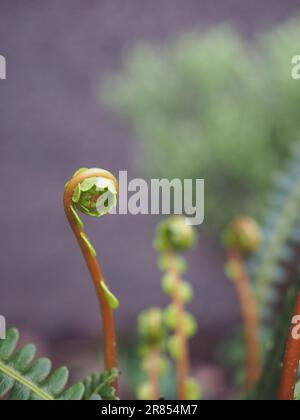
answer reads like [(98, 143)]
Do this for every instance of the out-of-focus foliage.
[(243, 235), (210, 105), (164, 333), (271, 266), (152, 333), (274, 271), (174, 236), (269, 386)]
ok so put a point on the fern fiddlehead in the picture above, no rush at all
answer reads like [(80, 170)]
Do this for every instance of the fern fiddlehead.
[(242, 238), (94, 192), (173, 236), (152, 333)]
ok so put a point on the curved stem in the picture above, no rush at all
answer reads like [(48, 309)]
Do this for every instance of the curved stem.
[(183, 360), (291, 363), (110, 347), (251, 320)]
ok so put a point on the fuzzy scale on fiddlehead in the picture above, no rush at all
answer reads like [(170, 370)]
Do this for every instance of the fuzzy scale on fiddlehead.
[(94, 192)]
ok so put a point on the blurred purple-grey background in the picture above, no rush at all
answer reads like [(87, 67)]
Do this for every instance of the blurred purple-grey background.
[(52, 122)]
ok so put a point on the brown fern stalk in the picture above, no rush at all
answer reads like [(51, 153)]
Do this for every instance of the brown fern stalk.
[(291, 362), (251, 319)]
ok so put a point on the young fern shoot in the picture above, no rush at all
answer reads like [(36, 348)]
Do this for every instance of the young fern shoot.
[(242, 238), (94, 192), (174, 236), (155, 364)]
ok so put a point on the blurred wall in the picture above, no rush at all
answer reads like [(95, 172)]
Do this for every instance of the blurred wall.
[(51, 123)]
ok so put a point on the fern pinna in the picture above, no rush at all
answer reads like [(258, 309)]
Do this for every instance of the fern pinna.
[(22, 377), (272, 265)]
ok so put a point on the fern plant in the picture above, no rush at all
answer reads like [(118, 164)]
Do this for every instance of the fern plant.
[(155, 364), (100, 387), (274, 269), (22, 377), (281, 235), (241, 239), (94, 193), (173, 237), (268, 388)]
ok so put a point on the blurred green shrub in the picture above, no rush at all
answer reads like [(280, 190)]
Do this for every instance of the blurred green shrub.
[(216, 107)]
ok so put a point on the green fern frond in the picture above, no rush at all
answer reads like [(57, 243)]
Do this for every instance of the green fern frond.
[(99, 387), (22, 377), (280, 235)]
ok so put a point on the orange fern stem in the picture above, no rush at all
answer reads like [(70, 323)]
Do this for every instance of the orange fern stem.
[(110, 346), (251, 319), (291, 362)]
